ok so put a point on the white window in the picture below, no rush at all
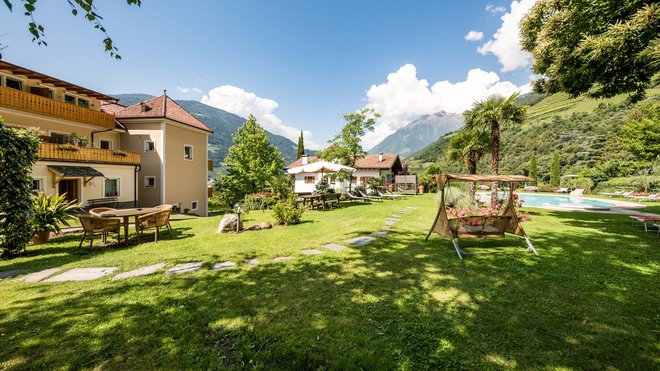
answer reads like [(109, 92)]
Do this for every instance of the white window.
[(310, 179), (188, 152), (149, 182), (149, 146), (194, 205), (105, 144), (38, 185), (111, 188)]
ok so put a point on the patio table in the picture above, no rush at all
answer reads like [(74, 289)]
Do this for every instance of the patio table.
[(125, 214)]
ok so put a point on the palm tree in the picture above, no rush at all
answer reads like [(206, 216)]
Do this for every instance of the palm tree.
[(492, 114), (468, 146)]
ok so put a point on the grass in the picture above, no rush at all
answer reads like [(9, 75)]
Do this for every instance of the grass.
[(588, 301)]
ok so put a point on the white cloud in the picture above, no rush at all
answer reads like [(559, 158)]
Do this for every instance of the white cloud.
[(194, 89), (495, 9), (243, 103), (474, 36), (505, 44), (404, 97)]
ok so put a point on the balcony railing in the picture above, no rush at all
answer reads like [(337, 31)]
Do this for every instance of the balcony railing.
[(69, 153), (19, 100)]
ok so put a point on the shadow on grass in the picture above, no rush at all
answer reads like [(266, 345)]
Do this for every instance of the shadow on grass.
[(400, 302)]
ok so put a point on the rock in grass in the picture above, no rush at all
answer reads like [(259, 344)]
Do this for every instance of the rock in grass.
[(229, 223)]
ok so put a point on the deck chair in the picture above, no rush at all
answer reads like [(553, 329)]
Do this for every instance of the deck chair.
[(577, 192), (352, 197), (562, 190), (156, 221), (389, 193), (391, 197), (93, 225), (377, 198)]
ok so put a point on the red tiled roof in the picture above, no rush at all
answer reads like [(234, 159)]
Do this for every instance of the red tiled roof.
[(367, 162), (157, 107)]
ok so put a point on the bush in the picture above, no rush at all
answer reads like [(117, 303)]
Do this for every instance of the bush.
[(18, 153), (547, 188), (636, 183), (584, 183), (51, 211), (288, 211)]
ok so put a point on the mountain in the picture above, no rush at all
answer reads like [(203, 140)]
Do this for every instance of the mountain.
[(224, 125), (419, 133)]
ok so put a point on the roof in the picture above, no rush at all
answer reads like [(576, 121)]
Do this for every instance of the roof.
[(486, 178), (158, 107), (369, 161), (18, 70), (75, 171)]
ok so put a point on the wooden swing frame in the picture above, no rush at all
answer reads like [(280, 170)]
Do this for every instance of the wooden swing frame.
[(489, 226)]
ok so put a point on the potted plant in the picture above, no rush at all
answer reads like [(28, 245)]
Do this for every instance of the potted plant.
[(50, 212)]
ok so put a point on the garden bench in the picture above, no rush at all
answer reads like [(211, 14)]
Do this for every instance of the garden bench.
[(102, 201), (330, 200)]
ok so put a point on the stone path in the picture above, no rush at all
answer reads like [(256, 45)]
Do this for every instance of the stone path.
[(38, 276), (11, 273), (312, 252), (82, 274), (151, 269), (283, 258), (184, 268), (223, 266), (359, 241), (251, 263), (380, 234), (335, 247)]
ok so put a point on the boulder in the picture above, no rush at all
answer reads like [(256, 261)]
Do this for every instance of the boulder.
[(228, 223), (265, 225)]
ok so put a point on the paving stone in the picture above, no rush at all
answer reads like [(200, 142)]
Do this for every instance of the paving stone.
[(386, 228), (38, 276), (151, 269), (223, 266), (184, 268), (283, 258), (380, 234), (360, 241), (389, 222), (335, 247), (312, 252), (251, 263), (392, 219), (11, 273), (82, 274)]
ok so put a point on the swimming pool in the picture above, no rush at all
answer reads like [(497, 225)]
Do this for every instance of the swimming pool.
[(540, 200)]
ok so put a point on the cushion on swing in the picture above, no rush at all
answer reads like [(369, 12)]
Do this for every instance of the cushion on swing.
[(480, 226), (485, 229)]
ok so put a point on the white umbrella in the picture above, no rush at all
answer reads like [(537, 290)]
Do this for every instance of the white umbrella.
[(321, 167)]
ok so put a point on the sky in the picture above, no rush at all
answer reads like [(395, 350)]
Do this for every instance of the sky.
[(294, 65)]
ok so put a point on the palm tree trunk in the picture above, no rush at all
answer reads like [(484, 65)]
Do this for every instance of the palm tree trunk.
[(495, 157), (472, 169)]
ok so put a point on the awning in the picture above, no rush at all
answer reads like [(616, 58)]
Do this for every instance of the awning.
[(484, 178), (85, 172), (321, 167)]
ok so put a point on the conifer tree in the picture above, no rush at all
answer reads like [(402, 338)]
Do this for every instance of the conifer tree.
[(301, 146), (555, 169)]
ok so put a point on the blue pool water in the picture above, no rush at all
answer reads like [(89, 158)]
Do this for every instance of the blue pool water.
[(538, 200)]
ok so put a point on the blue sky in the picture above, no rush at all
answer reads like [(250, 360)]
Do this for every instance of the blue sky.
[(294, 64)]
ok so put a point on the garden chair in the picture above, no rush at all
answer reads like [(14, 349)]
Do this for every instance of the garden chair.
[(378, 198), (353, 197), (164, 207), (391, 197), (387, 191), (156, 220), (530, 189), (98, 210), (93, 225), (562, 190)]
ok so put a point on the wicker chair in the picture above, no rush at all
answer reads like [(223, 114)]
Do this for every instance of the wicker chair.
[(98, 210), (154, 220), (93, 225)]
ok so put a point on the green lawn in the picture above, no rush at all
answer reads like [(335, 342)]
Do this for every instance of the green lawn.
[(590, 300)]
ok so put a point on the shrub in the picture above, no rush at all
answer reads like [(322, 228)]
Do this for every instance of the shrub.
[(288, 211), (584, 183), (51, 211), (18, 153), (259, 201), (636, 183)]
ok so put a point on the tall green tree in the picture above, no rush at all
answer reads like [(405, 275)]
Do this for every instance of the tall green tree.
[(600, 47), (251, 160), (533, 167), (301, 146), (18, 153), (555, 169), (491, 115), (640, 134), (468, 146), (345, 147), (84, 7)]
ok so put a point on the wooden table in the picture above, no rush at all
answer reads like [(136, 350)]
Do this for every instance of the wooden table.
[(311, 199), (125, 214)]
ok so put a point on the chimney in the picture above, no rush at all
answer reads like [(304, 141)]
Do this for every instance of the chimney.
[(380, 157), (304, 160), (143, 107)]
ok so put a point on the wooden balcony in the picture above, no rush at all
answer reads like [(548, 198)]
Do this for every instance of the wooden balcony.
[(69, 153), (22, 101)]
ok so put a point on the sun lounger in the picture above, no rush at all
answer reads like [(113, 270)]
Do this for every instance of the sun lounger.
[(649, 197), (644, 219), (391, 197), (612, 194), (377, 198), (353, 197), (530, 188), (388, 192), (577, 192), (562, 190)]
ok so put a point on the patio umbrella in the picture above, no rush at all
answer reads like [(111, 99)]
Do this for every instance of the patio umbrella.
[(321, 167)]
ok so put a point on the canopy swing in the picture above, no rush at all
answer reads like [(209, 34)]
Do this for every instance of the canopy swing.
[(479, 226)]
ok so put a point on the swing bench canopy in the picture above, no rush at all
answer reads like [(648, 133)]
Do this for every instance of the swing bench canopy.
[(492, 226)]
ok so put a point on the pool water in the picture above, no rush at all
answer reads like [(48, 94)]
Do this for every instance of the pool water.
[(538, 200)]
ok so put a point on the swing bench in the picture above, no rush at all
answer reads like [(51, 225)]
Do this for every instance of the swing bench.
[(479, 226)]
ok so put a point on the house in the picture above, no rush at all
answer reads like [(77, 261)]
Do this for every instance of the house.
[(382, 165), (95, 150), (173, 145)]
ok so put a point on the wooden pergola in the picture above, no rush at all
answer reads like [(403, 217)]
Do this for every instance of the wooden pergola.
[(479, 226)]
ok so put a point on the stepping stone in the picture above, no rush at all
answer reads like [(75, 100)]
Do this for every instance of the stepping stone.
[(251, 263), (392, 219), (38, 276), (223, 266), (386, 228), (184, 268), (389, 222), (360, 241), (312, 252), (11, 273), (335, 247), (82, 274), (380, 234), (151, 269), (283, 258)]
